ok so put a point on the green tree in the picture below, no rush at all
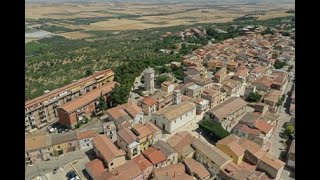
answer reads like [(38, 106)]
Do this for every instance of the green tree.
[(102, 105), (285, 33), (253, 97), (162, 78), (214, 129), (290, 129), (278, 64), (88, 72)]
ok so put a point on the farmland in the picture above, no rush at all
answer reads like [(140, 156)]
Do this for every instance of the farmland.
[(107, 35)]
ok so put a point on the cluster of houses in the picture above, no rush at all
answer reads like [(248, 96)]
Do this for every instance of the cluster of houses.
[(218, 77), (184, 156)]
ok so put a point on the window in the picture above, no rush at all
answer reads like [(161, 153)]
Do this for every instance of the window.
[(58, 147), (111, 164)]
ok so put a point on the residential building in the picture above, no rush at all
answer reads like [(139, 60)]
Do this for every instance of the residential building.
[(196, 169), (127, 171), (110, 130), (194, 91), (262, 160), (148, 105), (156, 132), (128, 113), (148, 75), (167, 86), (214, 64), (171, 171), (155, 156), (145, 166), (201, 105), (144, 136), (241, 74), (228, 112), (128, 142), (263, 83), (106, 151), (232, 66), (291, 162), (205, 83), (175, 116), (75, 111), (37, 148), (210, 156), (168, 151), (229, 146), (271, 165), (272, 99), (231, 86), (221, 75), (181, 143), (64, 143), (42, 110), (94, 168), (213, 96), (280, 80), (85, 138)]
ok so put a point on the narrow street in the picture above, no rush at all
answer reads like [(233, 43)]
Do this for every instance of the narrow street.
[(44, 167)]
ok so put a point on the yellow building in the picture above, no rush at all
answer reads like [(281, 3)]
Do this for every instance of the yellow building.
[(144, 134), (230, 147), (64, 143)]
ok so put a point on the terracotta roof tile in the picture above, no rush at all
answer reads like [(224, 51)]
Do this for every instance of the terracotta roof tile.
[(142, 129), (142, 162), (196, 168), (96, 167), (127, 136), (86, 134), (154, 156), (171, 170), (263, 126), (87, 98), (107, 149)]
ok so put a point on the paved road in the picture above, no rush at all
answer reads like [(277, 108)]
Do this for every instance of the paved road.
[(45, 167), (278, 146)]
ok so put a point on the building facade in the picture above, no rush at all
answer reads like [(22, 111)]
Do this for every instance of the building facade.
[(77, 110), (42, 110)]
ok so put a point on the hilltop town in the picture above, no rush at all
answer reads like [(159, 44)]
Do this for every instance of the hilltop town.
[(224, 111)]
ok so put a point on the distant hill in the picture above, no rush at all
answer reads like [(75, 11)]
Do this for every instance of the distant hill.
[(164, 1)]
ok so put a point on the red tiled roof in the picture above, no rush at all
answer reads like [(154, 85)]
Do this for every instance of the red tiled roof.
[(263, 126), (154, 156), (107, 149), (86, 134), (142, 162), (87, 98), (95, 167), (149, 101)]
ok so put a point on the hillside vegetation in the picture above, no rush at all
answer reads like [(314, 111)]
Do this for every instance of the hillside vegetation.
[(53, 62)]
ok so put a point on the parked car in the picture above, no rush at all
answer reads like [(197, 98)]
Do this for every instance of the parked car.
[(55, 170), (51, 130), (72, 175)]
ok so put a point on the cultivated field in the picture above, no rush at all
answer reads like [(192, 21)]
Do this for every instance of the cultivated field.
[(133, 16), (76, 35)]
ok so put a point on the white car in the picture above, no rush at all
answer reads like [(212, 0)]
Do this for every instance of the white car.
[(51, 130), (75, 178)]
